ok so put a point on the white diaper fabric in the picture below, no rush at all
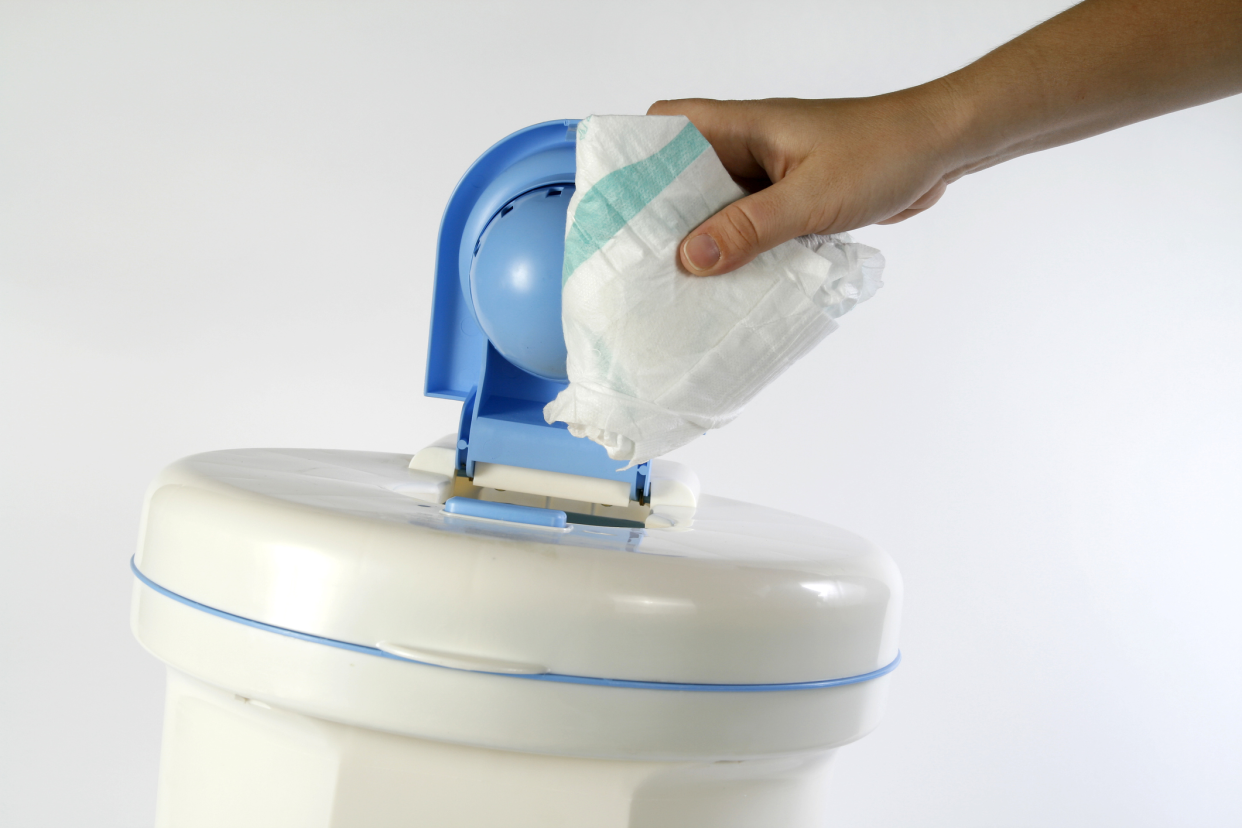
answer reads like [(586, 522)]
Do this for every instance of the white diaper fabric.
[(657, 356)]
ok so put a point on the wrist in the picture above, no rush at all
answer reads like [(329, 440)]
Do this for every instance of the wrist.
[(962, 141)]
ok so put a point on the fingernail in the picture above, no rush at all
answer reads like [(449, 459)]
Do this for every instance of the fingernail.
[(702, 252)]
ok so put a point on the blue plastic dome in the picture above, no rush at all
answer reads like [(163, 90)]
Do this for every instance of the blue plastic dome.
[(496, 339), (515, 281)]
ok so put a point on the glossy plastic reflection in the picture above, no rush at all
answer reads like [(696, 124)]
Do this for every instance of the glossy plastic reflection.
[(515, 281)]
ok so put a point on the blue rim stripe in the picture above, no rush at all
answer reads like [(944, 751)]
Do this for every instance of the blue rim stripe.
[(553, 677)]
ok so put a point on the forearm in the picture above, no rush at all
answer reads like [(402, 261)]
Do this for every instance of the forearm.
[(834, 165), (1097, 66)]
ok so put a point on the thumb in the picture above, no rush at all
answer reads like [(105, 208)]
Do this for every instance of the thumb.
[(748, 227)]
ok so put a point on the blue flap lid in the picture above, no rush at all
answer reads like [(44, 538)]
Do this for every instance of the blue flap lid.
[(496, 338)]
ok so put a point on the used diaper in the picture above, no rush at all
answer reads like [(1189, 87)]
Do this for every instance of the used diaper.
[(656, 356)]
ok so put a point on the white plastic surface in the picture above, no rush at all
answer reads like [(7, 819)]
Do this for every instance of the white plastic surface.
[(322, 542), (675, 493), (432, 472), (552, 484), (452, 720), (500, 711), (674, 497), (229, 761), (457, 661), (438, 458)]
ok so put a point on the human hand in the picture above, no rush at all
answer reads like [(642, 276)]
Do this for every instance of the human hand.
[(832, 165), (817, 166)]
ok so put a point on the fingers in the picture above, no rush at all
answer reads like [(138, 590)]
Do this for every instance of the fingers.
[(748, 227), (705, 113), (727, 125), (752, 225), (835, 165), (673, 107)]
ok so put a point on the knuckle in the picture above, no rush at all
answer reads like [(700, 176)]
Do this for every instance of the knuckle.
[(741, 229)]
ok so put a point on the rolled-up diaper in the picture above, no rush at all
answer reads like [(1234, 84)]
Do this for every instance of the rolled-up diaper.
[(657, 356)]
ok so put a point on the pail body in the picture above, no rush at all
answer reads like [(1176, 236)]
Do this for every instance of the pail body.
[(231, 761), (340, 656)]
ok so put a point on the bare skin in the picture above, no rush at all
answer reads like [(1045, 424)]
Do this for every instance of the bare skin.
[(827, 166)]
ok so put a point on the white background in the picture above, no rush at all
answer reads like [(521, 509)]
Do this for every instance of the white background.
[(216, 230)]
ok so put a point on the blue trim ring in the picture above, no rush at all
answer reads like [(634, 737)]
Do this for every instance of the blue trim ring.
[(553, 677)]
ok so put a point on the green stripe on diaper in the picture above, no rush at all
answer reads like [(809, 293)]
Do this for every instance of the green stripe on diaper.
[(620, 195)]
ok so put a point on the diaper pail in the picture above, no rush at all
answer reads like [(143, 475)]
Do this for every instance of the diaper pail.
[(502, 629)]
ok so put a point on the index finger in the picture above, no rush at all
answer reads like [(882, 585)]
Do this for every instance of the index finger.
[(727, 126)]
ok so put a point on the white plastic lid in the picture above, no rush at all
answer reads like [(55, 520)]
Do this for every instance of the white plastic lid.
[(323, 543)]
